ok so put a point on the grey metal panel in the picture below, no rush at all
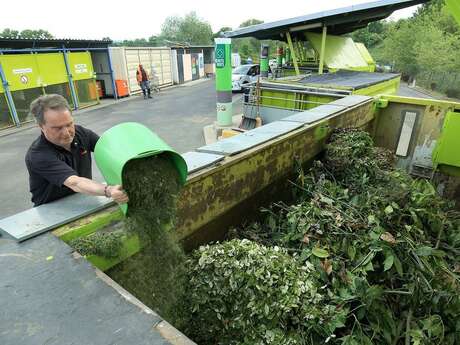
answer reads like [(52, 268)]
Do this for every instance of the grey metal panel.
[(354, 80), (278, 128), (48, 296), (268, 114), (315, 114), (37, 220), (199, 160), (348, 18), (250, 139)]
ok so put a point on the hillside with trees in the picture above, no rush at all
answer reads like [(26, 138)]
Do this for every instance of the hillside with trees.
[(424, 48)]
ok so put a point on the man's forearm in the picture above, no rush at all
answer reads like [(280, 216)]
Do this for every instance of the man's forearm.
[(85, 185)]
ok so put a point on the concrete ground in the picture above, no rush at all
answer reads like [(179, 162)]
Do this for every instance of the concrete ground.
[(177, 115)]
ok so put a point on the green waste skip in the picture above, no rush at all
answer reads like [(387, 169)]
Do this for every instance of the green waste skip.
[(128, 141)]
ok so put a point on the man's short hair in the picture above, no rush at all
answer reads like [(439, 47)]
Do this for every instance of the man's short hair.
[(43, 103)]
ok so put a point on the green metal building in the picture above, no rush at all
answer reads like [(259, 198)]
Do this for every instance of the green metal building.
[(33, 67)]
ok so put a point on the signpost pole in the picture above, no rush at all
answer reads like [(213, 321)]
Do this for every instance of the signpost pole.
[(223, 60), (264, 61)]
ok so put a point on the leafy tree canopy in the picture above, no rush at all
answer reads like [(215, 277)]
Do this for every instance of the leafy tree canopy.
[(29, 34), (189, 30)]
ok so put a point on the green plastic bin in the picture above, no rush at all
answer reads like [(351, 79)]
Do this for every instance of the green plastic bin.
[(127, 141)]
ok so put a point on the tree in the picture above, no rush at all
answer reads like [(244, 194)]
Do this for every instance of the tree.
[(221, 31), (372, 35), (399, 47), (187, 30), (248, 46), (426, 47), (9, 33), (29, 34), (250, 22)]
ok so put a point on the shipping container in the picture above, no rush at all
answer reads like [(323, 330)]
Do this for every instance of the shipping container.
[(157, 61)]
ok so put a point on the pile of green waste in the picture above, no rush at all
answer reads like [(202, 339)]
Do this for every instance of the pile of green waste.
[(155, 274), (105, 243), (365, 255)]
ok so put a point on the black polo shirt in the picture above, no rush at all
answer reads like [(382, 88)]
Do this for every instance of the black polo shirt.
[(50, 165)]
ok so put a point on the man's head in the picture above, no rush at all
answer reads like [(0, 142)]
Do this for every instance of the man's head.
[(53, 116)]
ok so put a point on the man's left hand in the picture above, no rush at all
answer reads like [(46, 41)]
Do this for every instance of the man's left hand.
[(117, 194)]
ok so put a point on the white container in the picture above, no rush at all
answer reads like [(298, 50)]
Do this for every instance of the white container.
[(236, 60), (157, 61)]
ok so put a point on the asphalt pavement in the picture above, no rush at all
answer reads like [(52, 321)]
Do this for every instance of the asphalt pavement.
[(177, 115), (407, 91)]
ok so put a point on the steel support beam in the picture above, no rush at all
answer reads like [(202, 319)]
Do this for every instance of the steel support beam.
[(9, 97), (294, 56), (69, 74), (112, 74), (323, 49)]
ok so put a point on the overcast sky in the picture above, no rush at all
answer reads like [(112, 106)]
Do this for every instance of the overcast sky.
[(95, 19)]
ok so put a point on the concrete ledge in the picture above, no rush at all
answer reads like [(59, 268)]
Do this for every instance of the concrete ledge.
[(213, 132)]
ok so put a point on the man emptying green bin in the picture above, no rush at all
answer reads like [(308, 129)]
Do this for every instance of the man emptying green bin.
[(59, 160)]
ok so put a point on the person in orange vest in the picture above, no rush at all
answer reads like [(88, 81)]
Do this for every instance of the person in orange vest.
[(143, 81)]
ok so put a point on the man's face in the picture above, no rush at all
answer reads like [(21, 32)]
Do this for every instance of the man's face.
[(59, 127)]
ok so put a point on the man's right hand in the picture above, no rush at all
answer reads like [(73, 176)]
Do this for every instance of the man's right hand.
[(117, 194)]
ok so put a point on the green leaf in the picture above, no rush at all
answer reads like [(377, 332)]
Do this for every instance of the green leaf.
[(320, 253), (306, 253), (371, 219), (351, 251), (398, 265), (388, 210), (369, 266), (388, 263), (326, 200), (424, 251)]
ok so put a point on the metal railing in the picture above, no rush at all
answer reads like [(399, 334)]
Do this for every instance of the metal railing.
[(253, 98)]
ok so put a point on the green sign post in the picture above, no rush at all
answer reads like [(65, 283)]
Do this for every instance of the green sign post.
[(264, 60), (223, 59)]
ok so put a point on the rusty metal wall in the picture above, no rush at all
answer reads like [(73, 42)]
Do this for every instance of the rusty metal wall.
[(233, 190), (427, 129), (212, 193)]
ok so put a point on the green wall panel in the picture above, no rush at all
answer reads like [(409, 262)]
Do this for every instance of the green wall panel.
[(21, 71), (52, 68), (81, 65), (447, 150)]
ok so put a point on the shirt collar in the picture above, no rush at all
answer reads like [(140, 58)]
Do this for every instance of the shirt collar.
[(73, 145)]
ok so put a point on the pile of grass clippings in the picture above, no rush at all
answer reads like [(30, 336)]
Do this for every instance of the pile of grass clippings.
[(385, 246), (106, 244), (154, 275)]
